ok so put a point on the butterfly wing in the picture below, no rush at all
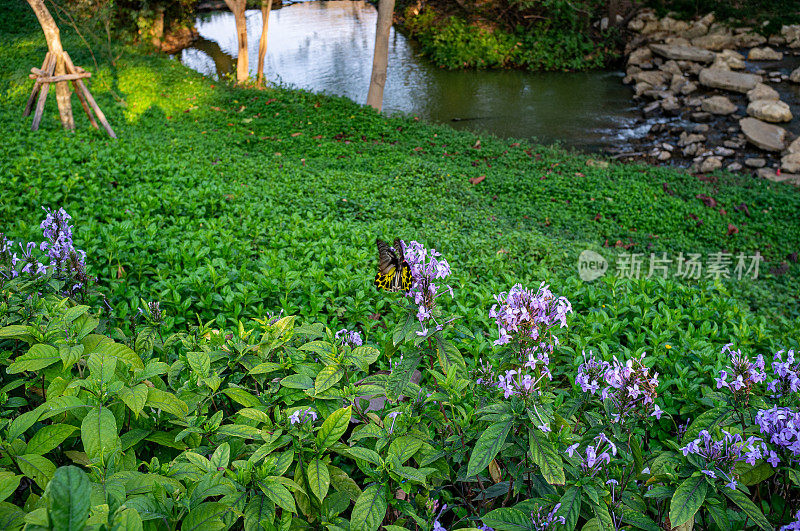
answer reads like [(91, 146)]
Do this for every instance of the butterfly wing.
[(394, 273)]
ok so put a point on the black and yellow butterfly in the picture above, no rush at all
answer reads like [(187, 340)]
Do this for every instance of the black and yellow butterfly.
[(394, 273)]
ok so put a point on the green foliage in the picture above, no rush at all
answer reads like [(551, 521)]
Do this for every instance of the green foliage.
[(454, 43)]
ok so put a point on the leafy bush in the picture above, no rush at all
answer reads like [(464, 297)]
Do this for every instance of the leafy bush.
[(278, 424)]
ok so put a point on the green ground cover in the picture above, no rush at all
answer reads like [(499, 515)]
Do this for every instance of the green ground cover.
[(228, 204)]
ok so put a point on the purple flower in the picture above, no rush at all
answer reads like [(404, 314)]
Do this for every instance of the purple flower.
[(744, 374), (794, 526), (781, 427), (426, 267), (349, 338), (542, 521), (720, 456), (528, 314), (597, 456), (302, 415)]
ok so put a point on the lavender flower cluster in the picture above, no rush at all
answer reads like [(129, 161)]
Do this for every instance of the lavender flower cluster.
[(426, 267), (794, 526), (65, 261), (629, 386), (787, 374), (781, 426), (527, 315), (597, 454), (302, 415), (351, 338), (744, 374), (721, 455), (542, 520)]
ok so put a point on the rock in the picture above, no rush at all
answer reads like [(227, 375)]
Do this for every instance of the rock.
[(670, 107), (701, 117), (697, 29), (733, 144), (792, 35), (700, 128), (763, 92), (734, 60), (794, 77), (764, 54), (748, 40), (668, 147), (755, 163), (640, 56), (655, 78), (640, 88), (688, 88), (691, 150), (791, 163), (683, 53), (723, 152), (763, 135), (671, 67), (664, 155), (651, 108), (770, 111), (734, 166), (690, 138), (776, 40), (677, 83), (714, 41), (710, 164), (718, 105), (771, 174), (677, 41), (694, 102), (727, 80), (690, 67), (794, 147), (636, 24)]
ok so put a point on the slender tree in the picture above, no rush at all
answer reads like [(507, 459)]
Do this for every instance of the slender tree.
[(242, 66), (380, 58), (266, 7), (53, 37)]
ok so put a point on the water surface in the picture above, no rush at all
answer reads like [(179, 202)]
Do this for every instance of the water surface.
[(327, 47)]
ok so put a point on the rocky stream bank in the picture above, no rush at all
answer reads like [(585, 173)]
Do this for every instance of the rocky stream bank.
[(721, 97)]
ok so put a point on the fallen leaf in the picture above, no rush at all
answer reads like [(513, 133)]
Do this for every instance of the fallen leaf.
[(478, 179), (732, 229)]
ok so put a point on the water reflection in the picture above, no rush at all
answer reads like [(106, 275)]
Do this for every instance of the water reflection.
[(327, 47)]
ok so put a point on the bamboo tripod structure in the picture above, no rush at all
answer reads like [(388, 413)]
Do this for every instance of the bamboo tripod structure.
[(44, 77)]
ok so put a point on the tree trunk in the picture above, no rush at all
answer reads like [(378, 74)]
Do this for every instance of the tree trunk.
[(242, 66), (53, 37), (266, 7), (380, 58)]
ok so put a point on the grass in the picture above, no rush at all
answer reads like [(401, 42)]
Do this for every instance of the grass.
[(228, 203)]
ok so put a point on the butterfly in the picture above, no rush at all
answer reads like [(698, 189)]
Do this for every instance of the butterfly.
[(394, 273)]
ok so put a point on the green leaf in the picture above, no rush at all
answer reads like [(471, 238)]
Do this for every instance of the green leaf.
[(70, 354), (127, 520), (48, 438), (242, 431), (278, 494), (403, 328), (99, 434), (344, 483), (166, 439), (365, 454), (706, 421), (101, 366), (323, 350), (745, 504), (68, 498), (297, 381), (205, 517), (73, 313), (400, 376), (38, 468), (200, 362), (405, 447), (8, 483), (60, 404), (240, 396), (265, 368), (14, 331), (221, 456), (327, 378), (449, 355), (487, 447), (134, 397), (546, 456), (158, 399), (369, 510), (22, 423), (319, 480), (750, 475), (688, 498), (259, 514), (508, 519), (38, 357), (333, 428), (570, 507), (364, 356)]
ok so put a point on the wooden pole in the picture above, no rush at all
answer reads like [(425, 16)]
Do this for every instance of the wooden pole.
[(36, 87), (37, 115), (266, 8), (86, 94), (380, 57)]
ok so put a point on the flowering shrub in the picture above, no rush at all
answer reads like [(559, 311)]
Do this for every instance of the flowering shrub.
[(277, 423)]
